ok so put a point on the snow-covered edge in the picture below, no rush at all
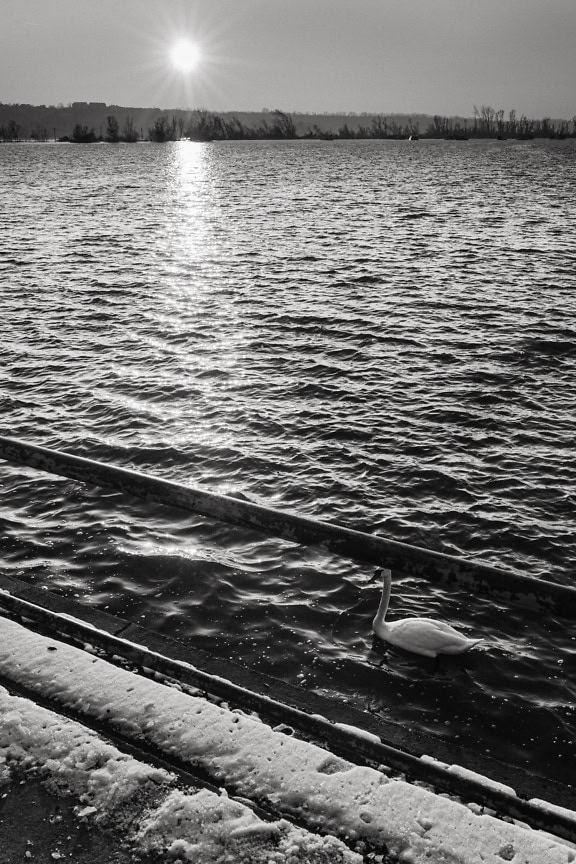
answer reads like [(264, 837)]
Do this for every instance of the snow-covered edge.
[(355, 802), (115, 789)]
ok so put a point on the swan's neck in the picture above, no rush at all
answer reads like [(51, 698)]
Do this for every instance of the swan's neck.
[(385, 598)]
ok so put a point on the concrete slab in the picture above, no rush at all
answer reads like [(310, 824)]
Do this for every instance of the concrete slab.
[(38, 826)]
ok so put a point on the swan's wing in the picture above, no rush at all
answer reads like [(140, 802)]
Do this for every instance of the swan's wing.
[(426, 636), (428, 625), (442, 626)]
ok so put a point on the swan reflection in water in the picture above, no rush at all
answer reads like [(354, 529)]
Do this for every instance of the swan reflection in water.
[(423, 636)]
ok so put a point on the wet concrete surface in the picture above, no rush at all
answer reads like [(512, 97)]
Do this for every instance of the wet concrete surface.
[(40, 826)]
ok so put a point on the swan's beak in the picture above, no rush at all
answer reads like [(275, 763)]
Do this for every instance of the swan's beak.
[(376, 575)]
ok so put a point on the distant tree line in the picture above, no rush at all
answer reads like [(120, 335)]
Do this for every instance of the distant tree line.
[(82, 134), (204, 125), (487, 123)]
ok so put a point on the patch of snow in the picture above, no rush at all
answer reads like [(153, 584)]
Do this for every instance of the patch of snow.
[(551, 808), (359, 733), (229, 831), (466, 774), (430, 760), (187, 825), (72, 757)]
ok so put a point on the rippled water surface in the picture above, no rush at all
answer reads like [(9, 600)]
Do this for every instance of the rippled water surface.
[(382, 334)]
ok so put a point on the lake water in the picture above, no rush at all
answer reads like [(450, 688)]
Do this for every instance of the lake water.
[(378, 333)]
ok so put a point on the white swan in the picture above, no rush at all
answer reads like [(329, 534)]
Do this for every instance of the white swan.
[(419, 635)]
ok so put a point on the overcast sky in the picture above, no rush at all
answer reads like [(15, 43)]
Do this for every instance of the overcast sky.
[(407, 56)]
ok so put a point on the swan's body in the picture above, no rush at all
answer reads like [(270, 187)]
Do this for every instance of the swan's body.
[(419, 635)]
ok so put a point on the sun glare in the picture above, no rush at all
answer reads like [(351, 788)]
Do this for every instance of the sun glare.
[(185, 55)]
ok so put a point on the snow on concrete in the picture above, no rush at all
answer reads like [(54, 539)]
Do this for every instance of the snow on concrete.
[(230, 832), (73, 758), (467, 774), (113, 787), (299, 778)]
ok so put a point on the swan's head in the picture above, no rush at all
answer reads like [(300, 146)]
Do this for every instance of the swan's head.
[(377, 575)]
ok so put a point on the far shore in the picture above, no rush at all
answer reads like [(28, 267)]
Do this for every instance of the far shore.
[(92, 122)]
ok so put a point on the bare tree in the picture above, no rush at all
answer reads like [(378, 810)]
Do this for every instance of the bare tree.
[(112, 130), (129, 133)]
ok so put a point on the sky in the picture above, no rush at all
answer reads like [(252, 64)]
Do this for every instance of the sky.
[(376, 56)]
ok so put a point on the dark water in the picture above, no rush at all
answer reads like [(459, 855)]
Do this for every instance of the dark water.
[(377, 333)]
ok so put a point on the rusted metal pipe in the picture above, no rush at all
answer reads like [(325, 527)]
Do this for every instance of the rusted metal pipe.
[(479, 578)]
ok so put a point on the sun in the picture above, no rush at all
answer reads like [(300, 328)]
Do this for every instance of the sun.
[(185, 55)]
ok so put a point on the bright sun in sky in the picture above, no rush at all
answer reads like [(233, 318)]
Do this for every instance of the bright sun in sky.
[(185, 55)]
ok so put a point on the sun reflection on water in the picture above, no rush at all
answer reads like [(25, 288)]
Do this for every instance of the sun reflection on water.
[(198, 316)]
